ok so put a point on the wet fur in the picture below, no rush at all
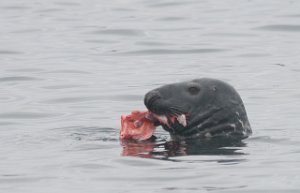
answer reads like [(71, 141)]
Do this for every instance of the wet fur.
[(213, 108)]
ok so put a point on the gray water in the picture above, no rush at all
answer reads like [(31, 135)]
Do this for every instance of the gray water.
[(70, 69)]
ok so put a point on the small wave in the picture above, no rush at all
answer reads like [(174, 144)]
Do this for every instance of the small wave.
[(6, 123), (26, 115), (120, 32), (167, 4), (171, 51), (171, 18), (9, 52), (62, 86), (291, 15), (15, 7), (17, 78), (152, 43), (69, 72), (283, 28), (68, 4), (79, 133), (93, 98), (72, 99)]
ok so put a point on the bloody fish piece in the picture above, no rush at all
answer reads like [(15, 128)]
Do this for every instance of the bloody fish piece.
[(138, 125)]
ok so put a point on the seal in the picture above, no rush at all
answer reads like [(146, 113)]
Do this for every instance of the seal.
[(199, 108)]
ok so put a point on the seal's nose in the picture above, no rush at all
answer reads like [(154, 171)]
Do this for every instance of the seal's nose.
[(151, 97)]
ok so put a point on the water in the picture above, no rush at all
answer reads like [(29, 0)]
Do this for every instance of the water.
[(69, 69)]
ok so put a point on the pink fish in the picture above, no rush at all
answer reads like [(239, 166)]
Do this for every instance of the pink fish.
[(138, 125)]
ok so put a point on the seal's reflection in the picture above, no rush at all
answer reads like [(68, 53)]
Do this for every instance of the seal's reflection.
[(162, 149)]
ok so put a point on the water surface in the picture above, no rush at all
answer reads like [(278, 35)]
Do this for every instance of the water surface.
[(69, 69)]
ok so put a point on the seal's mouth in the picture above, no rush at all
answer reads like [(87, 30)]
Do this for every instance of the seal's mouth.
[(167, 113), (170, 120), (168, 116)]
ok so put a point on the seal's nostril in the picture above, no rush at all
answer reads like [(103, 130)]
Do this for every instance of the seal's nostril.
[(151, 97)]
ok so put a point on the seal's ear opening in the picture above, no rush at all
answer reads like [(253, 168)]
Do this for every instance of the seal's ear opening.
[(193, 90)]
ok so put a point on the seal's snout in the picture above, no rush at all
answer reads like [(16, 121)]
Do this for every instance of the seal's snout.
[(151, 97)]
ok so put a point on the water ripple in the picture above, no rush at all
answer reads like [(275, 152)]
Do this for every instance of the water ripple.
[(14, 7), (23, 31), (170, 51), (50, 10), (291, 15), (79, 133), (120, 32), (72, 99), (171, 18), (67, 3), (17, 78), (69, 71), (152, 43), (11, 98), (222, 34), (284, 28), (26, 70), (94, 98), (101, 41), (27, 115), (57, 87), (168, 4), (6, 123), (17, 180), (178, 29), (9, 52)]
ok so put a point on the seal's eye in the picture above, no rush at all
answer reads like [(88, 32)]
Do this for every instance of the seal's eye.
[(194, 90)]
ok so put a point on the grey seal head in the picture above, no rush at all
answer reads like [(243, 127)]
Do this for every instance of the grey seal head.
[(199, 108)]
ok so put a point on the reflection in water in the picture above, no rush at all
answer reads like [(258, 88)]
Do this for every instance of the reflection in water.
[(162, 149), (140, 149)]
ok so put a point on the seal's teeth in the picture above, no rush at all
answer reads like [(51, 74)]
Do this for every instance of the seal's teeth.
[(162, 119), (182, 120)]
